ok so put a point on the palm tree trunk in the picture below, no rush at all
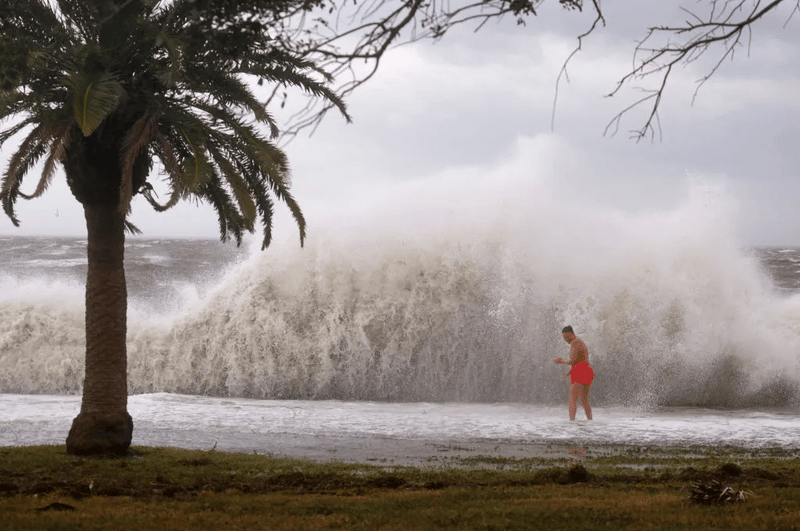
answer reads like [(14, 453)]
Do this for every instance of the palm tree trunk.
[(103, 425)]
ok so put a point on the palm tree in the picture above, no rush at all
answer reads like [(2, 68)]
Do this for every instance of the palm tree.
[(115, 89)]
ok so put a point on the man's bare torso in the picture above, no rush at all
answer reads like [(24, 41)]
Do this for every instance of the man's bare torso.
[(578, 351)]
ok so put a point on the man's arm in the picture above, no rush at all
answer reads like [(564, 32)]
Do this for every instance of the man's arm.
[(573, 351)]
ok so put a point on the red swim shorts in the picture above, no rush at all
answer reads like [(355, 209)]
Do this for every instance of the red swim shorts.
[(582, 373)]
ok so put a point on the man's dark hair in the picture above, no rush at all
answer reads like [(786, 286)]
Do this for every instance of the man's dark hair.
[(566, 329)]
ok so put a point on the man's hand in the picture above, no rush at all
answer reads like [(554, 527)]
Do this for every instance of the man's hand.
[(559, 360)]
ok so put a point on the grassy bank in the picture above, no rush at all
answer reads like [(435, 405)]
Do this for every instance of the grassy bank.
[(163, 489)]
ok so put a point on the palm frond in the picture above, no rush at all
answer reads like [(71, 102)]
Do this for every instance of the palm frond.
[(227, 215), (297, 214), (60, 140), (289, 76), (173, 12), (274, 163), (229, 90), (174, 71), (149, 194), (221, 117), (31, 17), (163, 150), (30, 151), (8, 207), (135, 141), (95, 97), (16, 128), (241, 191), (241, 215), (11, 102), (262, 166), (80, 17), (31, 35), (247, 140), (249, 156), (265, 208), (130, 228), (196, 168)]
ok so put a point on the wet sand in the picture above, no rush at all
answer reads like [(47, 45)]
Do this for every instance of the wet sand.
[(437, 454), (390, 452)]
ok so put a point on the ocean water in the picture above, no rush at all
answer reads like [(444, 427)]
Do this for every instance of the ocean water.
[(434, 324)]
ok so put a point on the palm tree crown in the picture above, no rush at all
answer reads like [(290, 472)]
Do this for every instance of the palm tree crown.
[(108, 87)]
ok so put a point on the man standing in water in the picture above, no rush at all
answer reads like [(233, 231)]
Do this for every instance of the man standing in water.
[(581, 373)]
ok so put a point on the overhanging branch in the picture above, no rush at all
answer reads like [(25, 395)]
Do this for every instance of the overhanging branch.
[(725, 25), (350, 39)]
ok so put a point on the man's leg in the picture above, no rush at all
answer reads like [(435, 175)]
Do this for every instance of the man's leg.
[(584, 391), (573, 400)]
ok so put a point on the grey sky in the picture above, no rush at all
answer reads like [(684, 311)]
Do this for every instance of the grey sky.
[(473, 103)]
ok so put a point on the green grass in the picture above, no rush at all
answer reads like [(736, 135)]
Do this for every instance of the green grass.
[(165, 489)]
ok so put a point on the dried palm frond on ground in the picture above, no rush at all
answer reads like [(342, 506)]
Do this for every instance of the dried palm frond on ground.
[(714, 493)]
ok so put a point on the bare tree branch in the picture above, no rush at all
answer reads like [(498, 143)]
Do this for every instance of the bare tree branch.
[(347, 40), (599, 19), (350, 38), (725, 25)]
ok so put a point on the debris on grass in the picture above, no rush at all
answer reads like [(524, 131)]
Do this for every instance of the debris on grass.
[(715, 493)]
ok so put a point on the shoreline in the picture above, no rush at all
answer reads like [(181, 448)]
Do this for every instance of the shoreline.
[(418, 453)]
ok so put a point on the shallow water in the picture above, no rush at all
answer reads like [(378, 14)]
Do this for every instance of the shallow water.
[(407, 433)]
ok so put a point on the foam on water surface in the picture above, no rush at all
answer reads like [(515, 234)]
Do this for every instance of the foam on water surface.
[(405, 433)]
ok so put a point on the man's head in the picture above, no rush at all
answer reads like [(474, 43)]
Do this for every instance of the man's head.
[(568, 334)]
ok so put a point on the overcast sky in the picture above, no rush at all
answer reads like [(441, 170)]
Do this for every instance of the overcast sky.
[(472, 104)]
